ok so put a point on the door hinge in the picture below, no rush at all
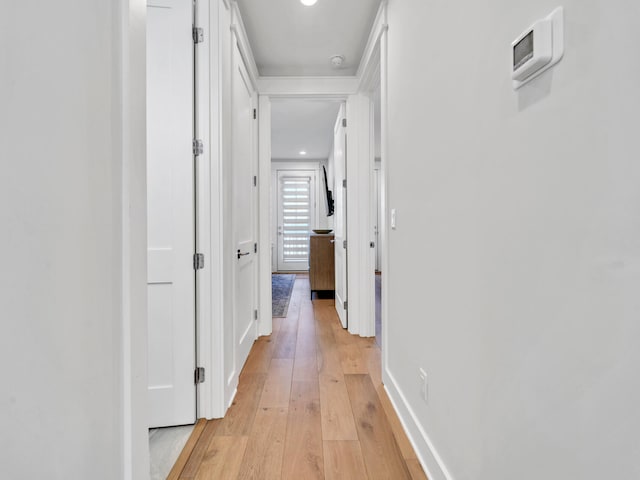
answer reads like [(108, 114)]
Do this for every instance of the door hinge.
[(198, 261), (198, 376), (255, 314), (255, 113), (346, 305), (198, 147), (372, 244), (255, 248), (344, 122), (198, 35), (255, 180), (344, 244), (344, 183)]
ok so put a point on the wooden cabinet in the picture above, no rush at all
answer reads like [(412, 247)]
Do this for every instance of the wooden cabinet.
[(321, 263)]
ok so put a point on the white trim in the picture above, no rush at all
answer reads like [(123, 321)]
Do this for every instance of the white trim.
[(232, 397), (248, 330), (377, 30), (264, 213), (129, 121), (428, 456), (203, 219), (384, 201), (210, 281), (371, 76), (308, 86), (265, 185), (361, 178), (224, 333), (237, 27)]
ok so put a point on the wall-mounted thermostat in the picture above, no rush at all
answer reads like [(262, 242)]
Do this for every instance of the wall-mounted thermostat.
[(538, 48)]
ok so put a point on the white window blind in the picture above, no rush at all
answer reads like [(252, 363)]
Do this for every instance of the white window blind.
[(296, 218)]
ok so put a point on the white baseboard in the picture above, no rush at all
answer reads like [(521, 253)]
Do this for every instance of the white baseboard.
[(230, 402), (429, 458)]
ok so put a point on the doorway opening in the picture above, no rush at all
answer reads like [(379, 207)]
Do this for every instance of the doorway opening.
[(302, 175)]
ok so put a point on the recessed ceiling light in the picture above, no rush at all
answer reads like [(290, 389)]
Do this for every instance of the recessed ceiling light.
[(302, 152), (308, 3)]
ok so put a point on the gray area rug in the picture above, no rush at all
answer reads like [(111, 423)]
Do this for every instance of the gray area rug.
[(281, 287)]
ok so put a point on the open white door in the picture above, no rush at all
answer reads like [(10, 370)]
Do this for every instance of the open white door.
[(244, 210), (296, 218), (170, 213), (340, 159)]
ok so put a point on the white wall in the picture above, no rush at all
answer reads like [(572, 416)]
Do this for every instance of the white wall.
[(515, 266), (73, 242)]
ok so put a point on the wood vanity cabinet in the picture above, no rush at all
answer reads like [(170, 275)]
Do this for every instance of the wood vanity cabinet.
[(321, 263)]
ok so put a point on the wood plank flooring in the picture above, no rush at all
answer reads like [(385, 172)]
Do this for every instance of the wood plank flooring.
[(310, 405)]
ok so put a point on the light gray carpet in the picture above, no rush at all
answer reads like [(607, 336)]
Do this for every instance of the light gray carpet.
[(165, 445), (281, 287)]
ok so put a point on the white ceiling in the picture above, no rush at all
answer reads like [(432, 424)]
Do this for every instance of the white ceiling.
[(302, 125), (288, 38)]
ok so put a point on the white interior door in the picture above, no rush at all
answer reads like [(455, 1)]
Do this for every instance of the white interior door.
[(244, 161), (340, 159), (170, 213), (296, 217)]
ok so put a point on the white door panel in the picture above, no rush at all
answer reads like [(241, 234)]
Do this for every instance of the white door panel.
[(170, 213), (340, 165), (244, 164)]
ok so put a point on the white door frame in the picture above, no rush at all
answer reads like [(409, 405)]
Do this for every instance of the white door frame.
[(283, 88), (373, 73), (130, 115), (355, 92), (222, 27), (339, 89)]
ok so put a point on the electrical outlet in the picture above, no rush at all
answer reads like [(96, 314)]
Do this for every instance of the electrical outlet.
[(393, 218), (424, 385)]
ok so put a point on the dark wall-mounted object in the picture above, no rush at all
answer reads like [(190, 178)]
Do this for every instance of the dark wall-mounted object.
[(329, 196)]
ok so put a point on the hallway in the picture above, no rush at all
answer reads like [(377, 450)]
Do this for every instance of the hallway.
[(310, 405)]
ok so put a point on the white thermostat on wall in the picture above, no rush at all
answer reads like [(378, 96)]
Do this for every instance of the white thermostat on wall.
[(538, 48)]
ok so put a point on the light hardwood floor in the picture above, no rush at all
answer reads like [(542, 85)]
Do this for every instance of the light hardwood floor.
[(310, 405)]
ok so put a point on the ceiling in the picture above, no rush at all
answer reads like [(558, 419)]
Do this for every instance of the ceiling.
[(290, 39), (302, 125)]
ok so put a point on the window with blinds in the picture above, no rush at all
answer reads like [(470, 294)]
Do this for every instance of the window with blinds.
[(296, 218)]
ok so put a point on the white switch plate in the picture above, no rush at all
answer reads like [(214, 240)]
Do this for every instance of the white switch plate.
[(393, 218)]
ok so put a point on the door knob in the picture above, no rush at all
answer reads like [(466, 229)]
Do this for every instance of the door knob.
[(242, 254)]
